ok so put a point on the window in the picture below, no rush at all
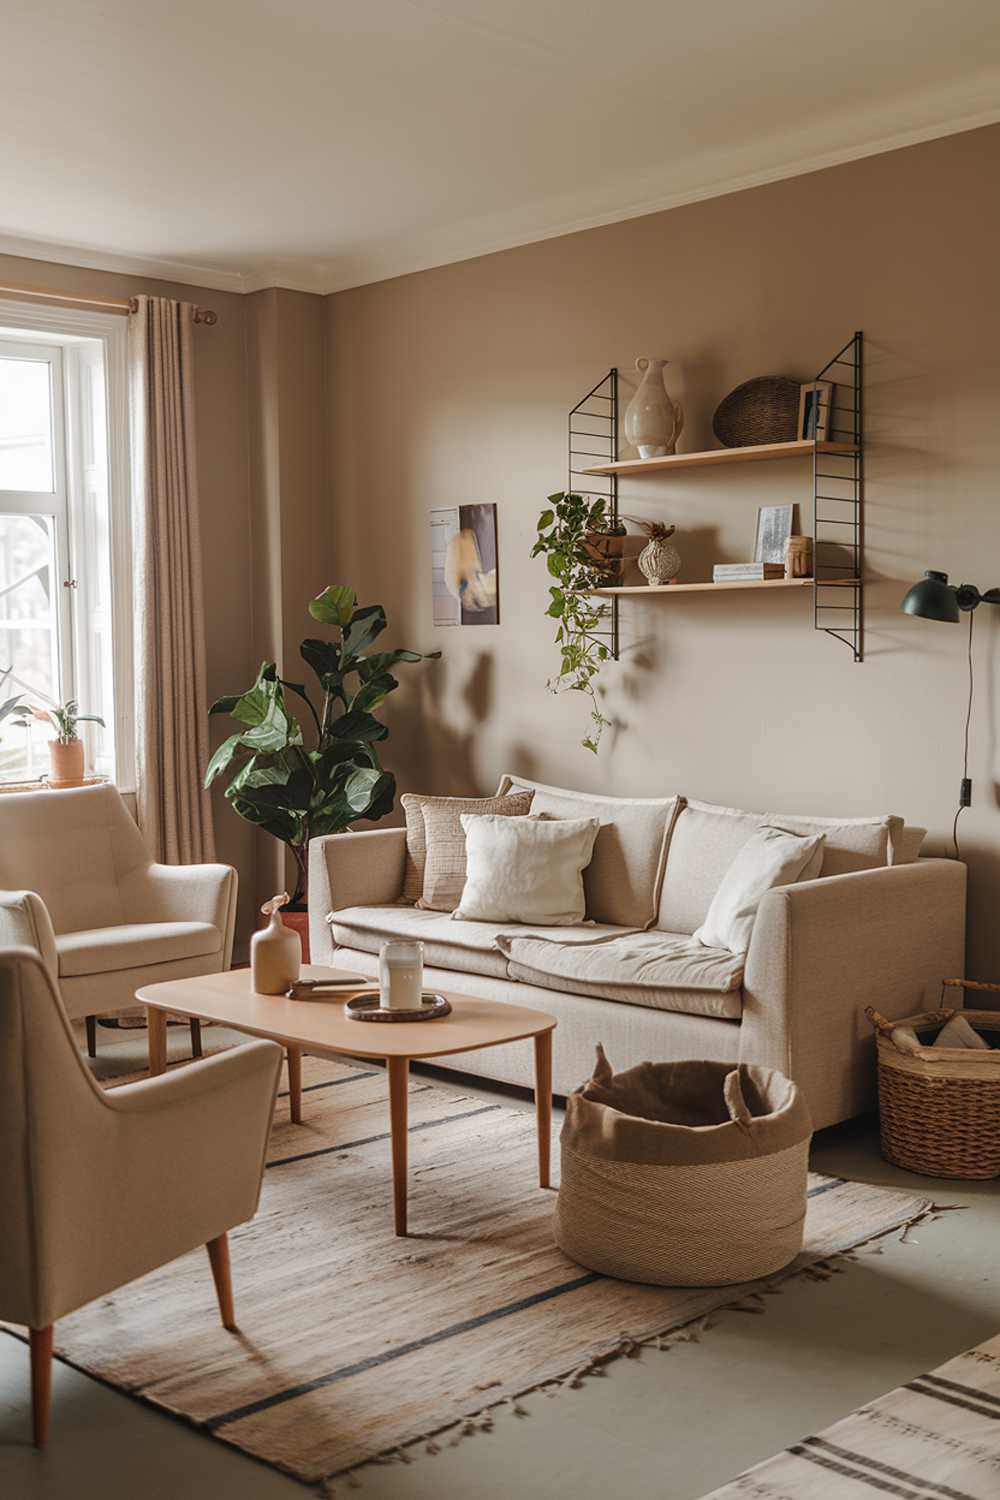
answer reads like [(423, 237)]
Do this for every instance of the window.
[(65, 568)]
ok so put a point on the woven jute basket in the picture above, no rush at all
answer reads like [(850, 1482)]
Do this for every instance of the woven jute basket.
[(940, 1107)]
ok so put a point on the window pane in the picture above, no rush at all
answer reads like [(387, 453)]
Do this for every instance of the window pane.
[(25, 425), (28, 637)]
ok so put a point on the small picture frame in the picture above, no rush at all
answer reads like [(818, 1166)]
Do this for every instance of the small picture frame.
[(815, 407), (775, 524)]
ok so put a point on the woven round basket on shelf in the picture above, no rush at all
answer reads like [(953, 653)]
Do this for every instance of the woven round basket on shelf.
[(765, 410), (939, 1108)]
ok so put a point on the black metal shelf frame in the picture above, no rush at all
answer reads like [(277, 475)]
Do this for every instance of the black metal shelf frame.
[(838, 481), (594, 422), (838, 484)]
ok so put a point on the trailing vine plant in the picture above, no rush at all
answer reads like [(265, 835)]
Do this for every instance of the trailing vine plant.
[(571, 533)]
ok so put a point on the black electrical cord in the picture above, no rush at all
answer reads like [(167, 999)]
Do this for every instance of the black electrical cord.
[(966, 793)]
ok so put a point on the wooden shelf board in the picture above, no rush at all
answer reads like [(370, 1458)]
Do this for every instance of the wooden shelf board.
[(757, 454), (741, 583)]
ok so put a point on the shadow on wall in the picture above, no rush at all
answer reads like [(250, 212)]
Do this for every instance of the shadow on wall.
[(442, 757)]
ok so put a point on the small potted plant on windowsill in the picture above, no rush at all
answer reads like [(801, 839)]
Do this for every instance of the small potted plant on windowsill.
[(66, 767)]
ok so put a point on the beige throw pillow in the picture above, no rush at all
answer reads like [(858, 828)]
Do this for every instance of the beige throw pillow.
[(769, 858), (526, 869), (444, 858), (449, 829)]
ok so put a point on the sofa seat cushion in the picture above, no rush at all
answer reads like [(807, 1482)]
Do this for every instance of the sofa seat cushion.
[(657, 970), (104, 950), (463, 946)]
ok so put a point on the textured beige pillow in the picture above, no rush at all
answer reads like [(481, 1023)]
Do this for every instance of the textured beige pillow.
[(623, 880), (413, 805), (444, 854), (526, 869)]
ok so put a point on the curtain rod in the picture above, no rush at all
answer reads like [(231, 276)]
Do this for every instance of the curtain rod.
[(127, 305)]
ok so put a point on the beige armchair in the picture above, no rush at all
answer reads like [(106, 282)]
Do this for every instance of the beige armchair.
[(100, 1188), (106, 918)]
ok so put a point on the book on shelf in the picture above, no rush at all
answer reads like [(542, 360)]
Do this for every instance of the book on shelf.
[(746, 572)]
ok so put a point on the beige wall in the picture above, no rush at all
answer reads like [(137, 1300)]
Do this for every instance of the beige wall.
[(225, 518), (453, 385)]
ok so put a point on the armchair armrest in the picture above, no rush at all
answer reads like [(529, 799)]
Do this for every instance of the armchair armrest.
[(184, 893), (823, 950), (25, 923), (352, 869)]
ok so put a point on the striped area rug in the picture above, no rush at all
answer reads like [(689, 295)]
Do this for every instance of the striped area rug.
[(935, 1438), (354, 1343)]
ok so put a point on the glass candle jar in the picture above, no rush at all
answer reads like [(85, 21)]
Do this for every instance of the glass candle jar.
[(401, 975)]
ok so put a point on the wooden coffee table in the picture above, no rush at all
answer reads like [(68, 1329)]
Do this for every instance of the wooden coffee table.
[(322, 1028)]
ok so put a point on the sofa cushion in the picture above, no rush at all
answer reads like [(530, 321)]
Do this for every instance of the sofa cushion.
[(706, 839), (103, 950), (850, 844), (769, 858), (448, 944), (704, 843), (526, 869), (622, 881), (657, 970)]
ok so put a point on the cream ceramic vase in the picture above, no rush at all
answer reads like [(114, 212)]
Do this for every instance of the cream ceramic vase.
[(659, 561), (65, 763), (275, 952), (653, 420)]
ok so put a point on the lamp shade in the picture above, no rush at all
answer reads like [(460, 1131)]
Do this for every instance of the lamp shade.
[(933, 598)]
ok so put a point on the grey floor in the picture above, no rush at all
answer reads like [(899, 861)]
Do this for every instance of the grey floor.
[(669, 1425)]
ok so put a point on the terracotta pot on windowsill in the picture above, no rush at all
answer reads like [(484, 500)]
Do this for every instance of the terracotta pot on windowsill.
[(65, 763)]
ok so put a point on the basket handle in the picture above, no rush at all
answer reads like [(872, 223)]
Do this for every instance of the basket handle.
[(968, 984), (886, 1028)]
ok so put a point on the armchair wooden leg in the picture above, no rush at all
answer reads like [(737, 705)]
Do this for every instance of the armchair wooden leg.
[(40, 1340), (195, 1038), (218, 1254), (91, 1024)]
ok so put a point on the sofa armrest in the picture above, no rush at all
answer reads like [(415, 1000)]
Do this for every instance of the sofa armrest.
[(184, 893), (352, 869), (823, 950)]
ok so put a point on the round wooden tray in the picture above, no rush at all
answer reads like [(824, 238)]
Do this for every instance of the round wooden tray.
[(368, 1007)]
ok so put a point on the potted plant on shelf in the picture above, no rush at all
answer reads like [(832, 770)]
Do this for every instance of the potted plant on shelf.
[(298, 791), (583, 551)]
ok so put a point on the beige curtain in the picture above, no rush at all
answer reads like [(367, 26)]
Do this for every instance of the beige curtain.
[(172, 745)]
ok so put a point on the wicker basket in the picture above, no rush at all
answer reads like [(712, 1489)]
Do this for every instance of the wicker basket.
[(764, 410), (940, 1107)]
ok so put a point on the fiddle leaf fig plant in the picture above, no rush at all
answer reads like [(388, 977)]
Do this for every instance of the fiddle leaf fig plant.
[(572, 533), (297, 790)]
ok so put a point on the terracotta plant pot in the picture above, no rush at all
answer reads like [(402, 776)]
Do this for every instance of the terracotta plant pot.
[(65, 763), (299, 922)]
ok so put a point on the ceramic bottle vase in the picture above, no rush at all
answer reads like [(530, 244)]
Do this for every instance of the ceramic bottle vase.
[(653, 420), (275, 952)]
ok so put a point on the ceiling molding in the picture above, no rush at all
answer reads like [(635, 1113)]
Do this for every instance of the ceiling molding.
[(468, 244)]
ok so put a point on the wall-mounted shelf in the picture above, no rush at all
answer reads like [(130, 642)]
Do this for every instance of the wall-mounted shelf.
[(836, 485), (757, 454), (716, 588)]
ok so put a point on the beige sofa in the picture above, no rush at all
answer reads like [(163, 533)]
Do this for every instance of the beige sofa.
[(879, 926)]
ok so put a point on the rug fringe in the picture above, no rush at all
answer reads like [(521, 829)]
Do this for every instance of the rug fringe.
[(626, 1346)]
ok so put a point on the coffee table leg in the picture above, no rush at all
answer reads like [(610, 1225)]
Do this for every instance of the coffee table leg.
[(156, 1030), (543, 1104), (399, 1082), (295, 1085)]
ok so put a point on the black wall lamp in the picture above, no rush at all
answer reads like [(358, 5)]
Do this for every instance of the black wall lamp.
[(934, 598)]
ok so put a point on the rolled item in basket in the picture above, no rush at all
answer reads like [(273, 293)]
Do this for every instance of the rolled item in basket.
[(905, 1038), (958, 1033)]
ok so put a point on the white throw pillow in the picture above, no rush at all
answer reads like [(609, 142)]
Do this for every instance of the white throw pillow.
[(770, 857), (525, 869)]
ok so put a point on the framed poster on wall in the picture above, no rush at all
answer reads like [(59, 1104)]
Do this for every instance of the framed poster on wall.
[(464, 588)]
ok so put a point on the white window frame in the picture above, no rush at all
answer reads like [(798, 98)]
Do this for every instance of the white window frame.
[(52, 325)]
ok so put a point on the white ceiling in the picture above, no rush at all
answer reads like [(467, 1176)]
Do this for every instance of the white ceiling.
[(318, 145)]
